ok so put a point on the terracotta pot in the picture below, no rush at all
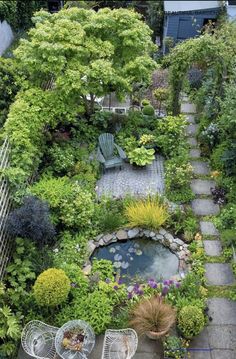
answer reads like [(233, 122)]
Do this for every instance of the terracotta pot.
[(155, 335)]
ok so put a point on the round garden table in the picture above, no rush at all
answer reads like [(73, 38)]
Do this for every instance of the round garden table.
[(87, 344)]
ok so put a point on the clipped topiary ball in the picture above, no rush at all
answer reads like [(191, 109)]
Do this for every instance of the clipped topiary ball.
[(148, 110), (145, 102), (190, 321), (51, 287)]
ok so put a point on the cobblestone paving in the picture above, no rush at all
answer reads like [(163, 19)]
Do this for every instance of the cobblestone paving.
[(140, 182)]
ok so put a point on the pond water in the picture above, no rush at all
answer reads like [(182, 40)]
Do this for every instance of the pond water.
[(140, 257)]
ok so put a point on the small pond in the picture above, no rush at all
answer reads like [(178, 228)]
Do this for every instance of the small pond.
[(140, 257)]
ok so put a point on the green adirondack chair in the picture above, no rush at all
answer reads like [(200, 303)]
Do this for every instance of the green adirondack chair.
[(106, 152)]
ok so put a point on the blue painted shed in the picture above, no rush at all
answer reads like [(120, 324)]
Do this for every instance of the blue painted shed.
[(182, 25)]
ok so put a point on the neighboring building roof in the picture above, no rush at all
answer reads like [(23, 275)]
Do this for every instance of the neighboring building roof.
[(193, 6)]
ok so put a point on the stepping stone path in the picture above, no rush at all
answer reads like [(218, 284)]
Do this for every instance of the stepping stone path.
[(199, 186), (218, 339), (200, 168)]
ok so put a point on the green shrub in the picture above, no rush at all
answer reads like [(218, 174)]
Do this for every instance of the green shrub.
[(70, 204), (96, 308), (217, 154), (227, 217), (145, 102), (148, 110), (51, 287), (104, 268), (71, 249), (111, 221), (147, 213), (141, 156), (191, 321), (170, 134), (228, 237)]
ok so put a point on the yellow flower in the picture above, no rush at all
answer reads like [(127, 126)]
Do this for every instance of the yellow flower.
[(215, 174), (198, 237)]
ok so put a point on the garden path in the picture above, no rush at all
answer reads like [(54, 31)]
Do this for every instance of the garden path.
[(117, 183), (218, 339)]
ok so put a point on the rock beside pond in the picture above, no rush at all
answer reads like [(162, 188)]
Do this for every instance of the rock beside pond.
[(107, 238), (87, 270), (132, 233), (122, 234)]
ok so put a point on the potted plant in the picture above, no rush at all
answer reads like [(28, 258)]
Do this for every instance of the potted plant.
[(175, 347), (153, 317), (141, 156)]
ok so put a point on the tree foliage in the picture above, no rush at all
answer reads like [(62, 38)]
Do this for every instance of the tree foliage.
[(88, 53)]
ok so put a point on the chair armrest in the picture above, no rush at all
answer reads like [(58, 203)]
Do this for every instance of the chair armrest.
[(121, 152), (100, 156)]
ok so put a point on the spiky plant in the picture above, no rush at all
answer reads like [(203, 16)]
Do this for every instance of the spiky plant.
[(153, 316)]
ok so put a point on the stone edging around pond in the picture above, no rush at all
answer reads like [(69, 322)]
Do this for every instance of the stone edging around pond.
[(176, 245)]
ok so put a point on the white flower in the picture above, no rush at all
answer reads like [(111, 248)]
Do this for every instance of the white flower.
[(77, 247), (56, 250)]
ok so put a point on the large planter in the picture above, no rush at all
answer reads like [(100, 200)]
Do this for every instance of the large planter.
[(156, 335)]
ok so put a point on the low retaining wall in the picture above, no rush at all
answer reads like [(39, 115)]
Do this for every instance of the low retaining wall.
[(176, 245)]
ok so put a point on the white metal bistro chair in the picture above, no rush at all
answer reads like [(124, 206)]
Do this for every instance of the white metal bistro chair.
[(38, 340), (119, 344)]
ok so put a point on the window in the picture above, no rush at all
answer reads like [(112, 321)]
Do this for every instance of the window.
[(232, 2)]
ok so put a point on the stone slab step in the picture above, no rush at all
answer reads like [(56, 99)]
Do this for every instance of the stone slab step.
[(219, 274), (222, 311), (195, 153), (208, 228), (199, 186), (212, 247), (191, 129), (204, 207), (192, 141), (200, 168), (188, 107), (190, 118)]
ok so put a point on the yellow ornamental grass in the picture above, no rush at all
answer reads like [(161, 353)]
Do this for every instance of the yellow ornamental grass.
[(148, 213)]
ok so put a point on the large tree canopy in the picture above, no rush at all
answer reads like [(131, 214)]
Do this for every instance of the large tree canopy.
[(88, 53)]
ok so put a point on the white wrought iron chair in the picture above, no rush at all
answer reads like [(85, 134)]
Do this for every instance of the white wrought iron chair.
[(119, 344), (38, 340)]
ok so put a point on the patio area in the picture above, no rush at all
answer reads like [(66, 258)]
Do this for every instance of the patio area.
[(135, 181)]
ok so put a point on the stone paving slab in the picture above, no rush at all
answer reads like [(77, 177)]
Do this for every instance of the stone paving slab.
[(205, 207), (222, 337), (223, 354), (190, 118), (222, 311), (212, 247), (208, 228), (200, 168), (195, 153), (199, 342), (192, 141), (199, 186), (191, 129), (135, 181), (188, 108), (219, 274)]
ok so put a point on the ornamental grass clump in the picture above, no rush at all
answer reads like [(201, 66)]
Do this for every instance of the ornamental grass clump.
[(146, 213), (51, 287), (153, 317)]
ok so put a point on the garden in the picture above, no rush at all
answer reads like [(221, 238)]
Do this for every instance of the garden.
[(80, 256)]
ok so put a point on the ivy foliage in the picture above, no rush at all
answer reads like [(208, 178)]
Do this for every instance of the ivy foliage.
[(88, 53), (8, 86)]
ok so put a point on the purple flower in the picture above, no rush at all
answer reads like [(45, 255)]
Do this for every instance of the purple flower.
[(152, 283), (164, 291), (166, 282), (136, 288), (171, 282), (108, 280), (130, 295), (140, 292), (177, 284), (116, 287), (73, 285), (120, 281)]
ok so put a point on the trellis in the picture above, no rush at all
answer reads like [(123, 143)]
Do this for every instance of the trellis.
[(5, 207)]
